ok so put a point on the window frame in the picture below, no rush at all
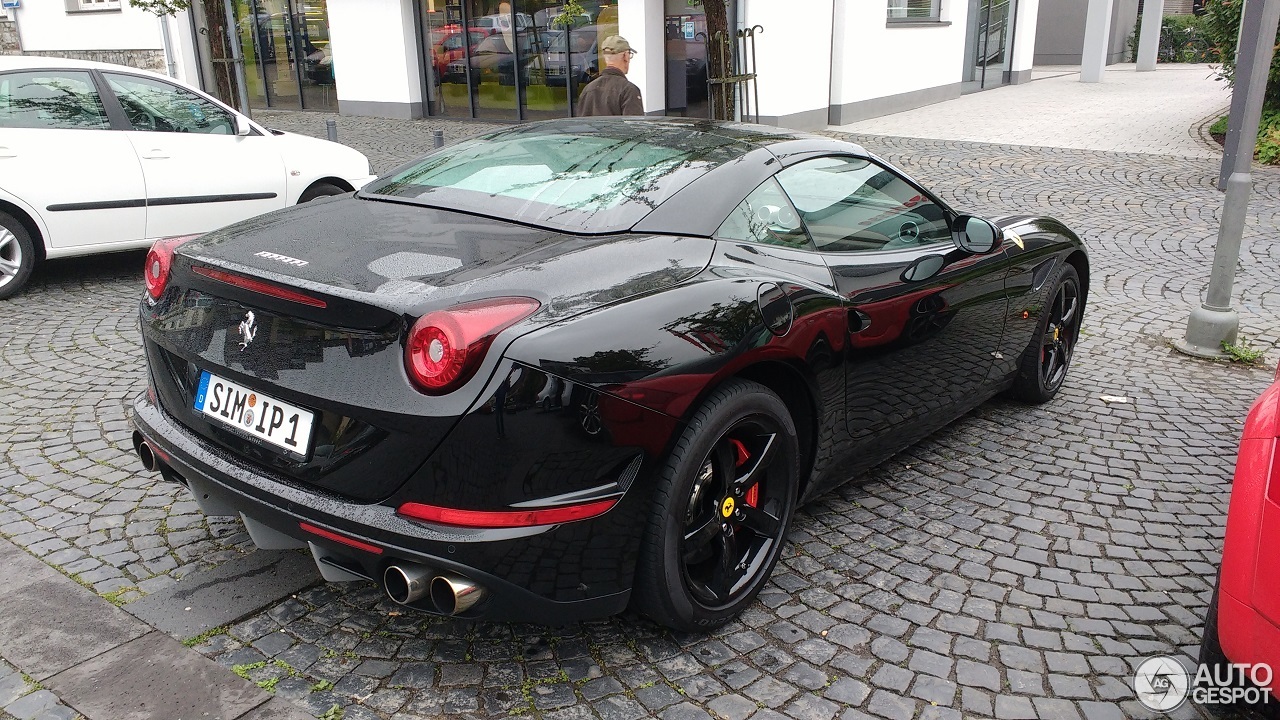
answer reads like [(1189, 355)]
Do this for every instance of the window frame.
[(93, 6), (934, 16), (106, 76), (948, 214), (771, 180), (105, 101)]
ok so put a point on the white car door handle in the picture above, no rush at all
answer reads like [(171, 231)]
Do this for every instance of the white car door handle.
[(7, 152), (156, 154)]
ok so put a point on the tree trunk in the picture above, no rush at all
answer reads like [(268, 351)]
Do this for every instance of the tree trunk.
[(718, 32), (214, 21)]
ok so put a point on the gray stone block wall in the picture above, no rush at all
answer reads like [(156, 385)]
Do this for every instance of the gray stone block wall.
[(152, 60), (10, 44)]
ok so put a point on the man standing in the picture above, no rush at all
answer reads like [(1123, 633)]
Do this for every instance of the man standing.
[(611, 93)]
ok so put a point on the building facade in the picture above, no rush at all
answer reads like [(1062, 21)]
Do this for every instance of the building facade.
[(103, 30), (817, 62)]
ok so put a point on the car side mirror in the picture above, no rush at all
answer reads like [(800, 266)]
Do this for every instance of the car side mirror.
[(975, 235), (923, 268), (242, 126)]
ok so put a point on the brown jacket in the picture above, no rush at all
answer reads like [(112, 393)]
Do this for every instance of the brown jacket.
[(610, 94)]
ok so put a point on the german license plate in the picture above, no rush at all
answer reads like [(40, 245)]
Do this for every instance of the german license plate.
[(278, 423)]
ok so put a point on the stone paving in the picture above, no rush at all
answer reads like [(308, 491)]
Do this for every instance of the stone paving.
[(22, 698), (1018, 564), (1151, 112)]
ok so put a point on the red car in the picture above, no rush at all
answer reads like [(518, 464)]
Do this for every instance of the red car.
[(1243, 621)]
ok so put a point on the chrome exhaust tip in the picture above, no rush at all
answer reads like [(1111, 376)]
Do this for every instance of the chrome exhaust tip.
[(145, 453), (406, 584), (453, 595)]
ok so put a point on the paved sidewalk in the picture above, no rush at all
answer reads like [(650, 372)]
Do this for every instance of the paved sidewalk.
[(1152, 112)]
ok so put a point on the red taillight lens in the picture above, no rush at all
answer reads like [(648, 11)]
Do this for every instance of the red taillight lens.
[(506, 518), (445, 347), (159, 262)]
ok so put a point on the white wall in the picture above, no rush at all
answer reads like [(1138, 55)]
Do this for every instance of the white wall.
[(640, 22), (1024, 35), (793, 56), (871, 60), (45, 25), (375, 53)]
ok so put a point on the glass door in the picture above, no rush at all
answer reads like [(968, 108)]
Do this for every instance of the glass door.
[(988, 45), (685, 34)]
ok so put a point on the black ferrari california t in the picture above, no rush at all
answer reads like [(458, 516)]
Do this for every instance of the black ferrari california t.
[(572, 366)]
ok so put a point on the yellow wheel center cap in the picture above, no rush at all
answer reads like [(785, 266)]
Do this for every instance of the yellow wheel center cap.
[(726, 507)]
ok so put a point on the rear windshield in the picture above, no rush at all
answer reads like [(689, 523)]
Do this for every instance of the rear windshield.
[(573, 175)]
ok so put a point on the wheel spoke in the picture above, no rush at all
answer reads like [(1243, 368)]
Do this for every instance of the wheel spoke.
[(6, 238), (725, 459), (760, 521), (8, 269), (752, 472), (725, 575), (1050, 362), (1069, 312), (697, 542)]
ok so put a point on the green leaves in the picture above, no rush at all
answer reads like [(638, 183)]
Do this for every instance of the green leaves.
[(162, 7)]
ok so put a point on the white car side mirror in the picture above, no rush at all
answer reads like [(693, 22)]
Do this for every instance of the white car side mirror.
[(242, 126)]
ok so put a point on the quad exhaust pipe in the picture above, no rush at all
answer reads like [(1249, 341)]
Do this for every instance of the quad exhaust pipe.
[(145, 453), (407, 584)]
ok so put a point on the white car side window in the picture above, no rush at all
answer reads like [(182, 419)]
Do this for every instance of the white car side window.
[(158, 106), (51, 99)]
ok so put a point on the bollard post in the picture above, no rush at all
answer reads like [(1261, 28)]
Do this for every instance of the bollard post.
[(331, 130), (437, 138)]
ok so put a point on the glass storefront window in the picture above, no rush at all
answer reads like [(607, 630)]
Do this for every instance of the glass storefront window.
[(510, 59), (287, 62)]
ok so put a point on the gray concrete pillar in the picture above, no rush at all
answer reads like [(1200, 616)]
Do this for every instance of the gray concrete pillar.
[(1097, 32), (1149, 42)]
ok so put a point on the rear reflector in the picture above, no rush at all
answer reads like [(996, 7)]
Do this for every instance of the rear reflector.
[(352, 542), (258, 286), (505, 518)]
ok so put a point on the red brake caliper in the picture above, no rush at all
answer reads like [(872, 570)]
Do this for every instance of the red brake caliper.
[(753, 495)]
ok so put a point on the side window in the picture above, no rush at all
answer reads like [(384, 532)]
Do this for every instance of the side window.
[(158, 106), (852, 205), (766, 216), (51, 99)]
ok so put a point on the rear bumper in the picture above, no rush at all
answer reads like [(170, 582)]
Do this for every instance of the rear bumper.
[(280, 515)]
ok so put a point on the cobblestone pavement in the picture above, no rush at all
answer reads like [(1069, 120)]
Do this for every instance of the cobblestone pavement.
[(1016, 565), (1058, 110), (22, 698)]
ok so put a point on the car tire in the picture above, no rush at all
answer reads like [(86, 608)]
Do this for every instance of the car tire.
[(699, 567), (1211, 653), (1044, 364), (319, 190), (17, 256)]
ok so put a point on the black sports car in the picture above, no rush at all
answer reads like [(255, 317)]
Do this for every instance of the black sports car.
[(574, 365)]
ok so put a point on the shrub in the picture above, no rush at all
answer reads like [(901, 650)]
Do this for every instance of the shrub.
[(1183, 39), (1221, 23)]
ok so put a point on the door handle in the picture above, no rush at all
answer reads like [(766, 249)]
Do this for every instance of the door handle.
[(156, 154), (7, 152)]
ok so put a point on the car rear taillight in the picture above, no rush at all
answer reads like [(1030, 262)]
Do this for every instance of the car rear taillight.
[(527, 517), (446, 346), (155, 273)]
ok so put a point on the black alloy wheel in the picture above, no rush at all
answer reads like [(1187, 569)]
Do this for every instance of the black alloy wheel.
[(1046, 361), (735, 512), (724, 503)]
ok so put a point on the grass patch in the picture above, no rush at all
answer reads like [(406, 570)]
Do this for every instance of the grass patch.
[(116, 597), (244, 670), (1267, 151), (205, 636), (322, 686), (1243, 351), (333, 713)]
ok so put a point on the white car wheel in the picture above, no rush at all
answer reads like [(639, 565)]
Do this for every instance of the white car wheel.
[(17, 256)]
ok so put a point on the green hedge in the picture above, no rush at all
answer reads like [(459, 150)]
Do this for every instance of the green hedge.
[(1183, 39), (1221, 22)]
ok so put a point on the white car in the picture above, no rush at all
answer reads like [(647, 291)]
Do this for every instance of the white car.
[(97, 157)]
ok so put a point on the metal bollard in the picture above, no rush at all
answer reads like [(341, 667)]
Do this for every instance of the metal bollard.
[(437, 138), (331, 130)]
